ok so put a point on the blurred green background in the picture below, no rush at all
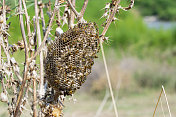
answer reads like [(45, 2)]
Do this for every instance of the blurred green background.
[(141, 57)]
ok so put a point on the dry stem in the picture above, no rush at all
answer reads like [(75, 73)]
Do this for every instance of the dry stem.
[(157, 103), (79, 16), (108, 78), (26, 62), (72, 15), (34, 98), (46, 35), (4, 13), (83, 9), (166, 101), (73, 8), (111, 17), (41, 52), (27, 19), (42, 18)]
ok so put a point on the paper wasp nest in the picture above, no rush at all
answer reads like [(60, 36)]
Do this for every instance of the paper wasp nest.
[(70, 58)]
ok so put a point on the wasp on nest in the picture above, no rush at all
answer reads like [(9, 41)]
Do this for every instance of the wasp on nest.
[(70, 58)]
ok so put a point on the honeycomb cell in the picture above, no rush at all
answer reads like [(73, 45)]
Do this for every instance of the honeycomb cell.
[(70, 58)]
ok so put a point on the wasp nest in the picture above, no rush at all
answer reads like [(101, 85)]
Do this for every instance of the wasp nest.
[(70, 58)]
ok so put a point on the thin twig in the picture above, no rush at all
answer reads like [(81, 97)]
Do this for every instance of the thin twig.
[(108, 78), (42, 17), (27, 19), (157, 103), (41, 52), (34, 98), (129, 7), (72, 16), (46, 35), (58, 13), (35, 37), (83, 9), (26, 62), (41, 62), (166, 101), (73, 8)]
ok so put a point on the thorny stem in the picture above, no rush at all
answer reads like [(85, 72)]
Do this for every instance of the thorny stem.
[(26, 67), (111, 17), (104, 59), (8, 57), (46, 35)]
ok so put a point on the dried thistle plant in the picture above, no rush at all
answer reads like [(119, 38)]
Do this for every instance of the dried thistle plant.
[(64, 62)]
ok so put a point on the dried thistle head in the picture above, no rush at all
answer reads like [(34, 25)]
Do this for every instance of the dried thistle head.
[(70, 58)]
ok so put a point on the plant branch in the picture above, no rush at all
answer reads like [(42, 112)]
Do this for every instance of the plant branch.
[(108, 78), (111, 17), (166, 101), (72, 16), (157, 103), (46, 35), (41, 52), (129, 7), (73, 8), (4, 13), (34, 98), (26, 67), (83, 9), (42, 17), (27, 19)]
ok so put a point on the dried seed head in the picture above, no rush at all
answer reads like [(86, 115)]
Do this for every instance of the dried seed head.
[(20, 44), (3, 97)]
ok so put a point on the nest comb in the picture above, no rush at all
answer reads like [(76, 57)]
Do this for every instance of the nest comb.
[(70, 58)]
